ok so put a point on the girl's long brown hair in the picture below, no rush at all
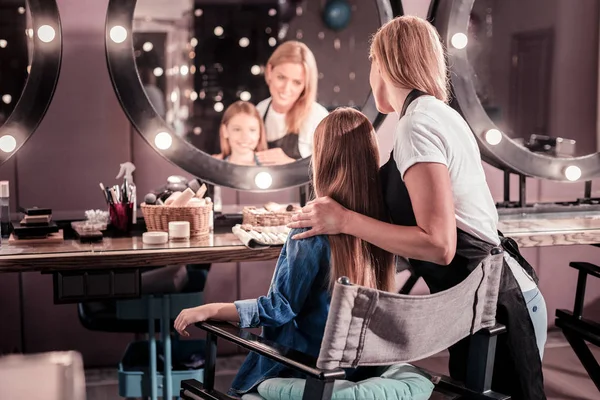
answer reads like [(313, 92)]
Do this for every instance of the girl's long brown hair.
[(346, 168)]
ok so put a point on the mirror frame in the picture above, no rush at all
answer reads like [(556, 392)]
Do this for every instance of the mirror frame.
[(130, 92), (41, 82), (451, 17)]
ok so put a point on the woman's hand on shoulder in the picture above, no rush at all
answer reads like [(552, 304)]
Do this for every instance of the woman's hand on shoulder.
[(191, 316), (274, 156), (324, 216)]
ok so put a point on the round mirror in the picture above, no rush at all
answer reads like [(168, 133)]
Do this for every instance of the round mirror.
[(30, 54), (233, 90), (525, 76)]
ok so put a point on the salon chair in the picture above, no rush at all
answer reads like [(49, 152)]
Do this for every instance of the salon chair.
[(577, 329), (55, 375), (368, 327)]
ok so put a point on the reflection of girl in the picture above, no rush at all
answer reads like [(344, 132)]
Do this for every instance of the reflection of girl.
[(242, 134), (295, 310), (291, 114), (443, 215)]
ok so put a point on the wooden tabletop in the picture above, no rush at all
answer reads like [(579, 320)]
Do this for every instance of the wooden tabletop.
[(127, 252), (552, 229)]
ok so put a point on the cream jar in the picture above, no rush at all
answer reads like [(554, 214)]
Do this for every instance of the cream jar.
[(179, 230)]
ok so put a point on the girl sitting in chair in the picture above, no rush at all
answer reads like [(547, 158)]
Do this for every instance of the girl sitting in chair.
[(294, 312), (242, 134)]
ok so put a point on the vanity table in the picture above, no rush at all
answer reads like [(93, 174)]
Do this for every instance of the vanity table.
[(111, 268)]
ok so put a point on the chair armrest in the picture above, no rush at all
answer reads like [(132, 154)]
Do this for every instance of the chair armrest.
[(290, 358), (586, 267), (492, 331)]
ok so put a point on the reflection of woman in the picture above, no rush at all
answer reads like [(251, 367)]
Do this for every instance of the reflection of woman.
[(242, 134), (291, 114), (444, 218), (155, 95), (295, 310)]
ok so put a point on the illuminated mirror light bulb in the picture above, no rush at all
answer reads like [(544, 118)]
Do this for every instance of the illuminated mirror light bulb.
[(8, 143), (244, 42), (7, 98), (219, 106), (245, 96), (198, 12), (184, 70), (459, 40), (3, 43), (493, 136), (218, 31), (21, 10), (272, 42), (163, 140), (158, 71), (174, 96), (255, 70), (148, 46), (572, 173), (118, 34), (46, 33), (197, 130), (194, 42), (193, 96), (263, 180), (272, 12)]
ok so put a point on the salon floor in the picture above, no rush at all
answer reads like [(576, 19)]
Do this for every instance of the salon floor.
[(564, 376)]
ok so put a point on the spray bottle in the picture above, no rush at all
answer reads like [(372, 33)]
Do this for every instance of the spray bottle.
[(128, 188)]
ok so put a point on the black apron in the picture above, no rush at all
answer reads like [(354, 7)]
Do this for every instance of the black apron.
[(517, 368), (288, 143)]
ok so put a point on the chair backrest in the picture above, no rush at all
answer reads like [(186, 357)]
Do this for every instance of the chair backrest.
[(371, 327), (51, 376)]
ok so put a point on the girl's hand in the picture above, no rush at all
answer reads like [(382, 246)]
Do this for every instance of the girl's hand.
[(190, 316), (324, 216), (274, 156)]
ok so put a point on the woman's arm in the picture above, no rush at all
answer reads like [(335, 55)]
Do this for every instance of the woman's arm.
[(434, 237), (296, 270)]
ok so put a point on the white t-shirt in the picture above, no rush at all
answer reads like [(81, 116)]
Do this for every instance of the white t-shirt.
[(276, 127), (431, 131)]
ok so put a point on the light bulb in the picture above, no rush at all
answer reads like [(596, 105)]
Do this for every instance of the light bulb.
[(118, 34), (3, 43), (263, 180), (158, 71), (163, 140), (218, 31), (184, 70), (493, 136), (572, 173), (245, 96), (147, 46), (255, 70), (459, 40), (244, 42), (218, 106), (8, 143), (7, 98)]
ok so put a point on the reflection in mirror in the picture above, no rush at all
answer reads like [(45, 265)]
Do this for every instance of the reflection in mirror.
[(248, 81), (16, 49), (536, 71)]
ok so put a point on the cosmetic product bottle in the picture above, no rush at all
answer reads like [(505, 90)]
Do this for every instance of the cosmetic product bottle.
[(128, 188), (4, 210)]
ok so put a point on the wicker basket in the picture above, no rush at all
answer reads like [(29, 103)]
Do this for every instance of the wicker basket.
[(261, 217), (158, 217)]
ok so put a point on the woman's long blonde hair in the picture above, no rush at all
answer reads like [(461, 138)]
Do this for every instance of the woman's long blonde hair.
[(240, 107), (346, 168), (298, 53), (410, 54)]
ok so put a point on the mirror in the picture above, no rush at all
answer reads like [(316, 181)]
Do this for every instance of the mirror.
[(535, 65), (197, 60), (30, 55), (16, 50)]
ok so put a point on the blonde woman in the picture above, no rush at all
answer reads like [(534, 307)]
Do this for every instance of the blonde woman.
[(291, 113), (295, 310), (443, 216), (241, 134)]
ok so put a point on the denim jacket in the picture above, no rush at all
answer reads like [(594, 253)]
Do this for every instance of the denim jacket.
[(293, 313)]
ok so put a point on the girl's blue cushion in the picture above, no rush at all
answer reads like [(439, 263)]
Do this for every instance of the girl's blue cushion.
[(398, 382)]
